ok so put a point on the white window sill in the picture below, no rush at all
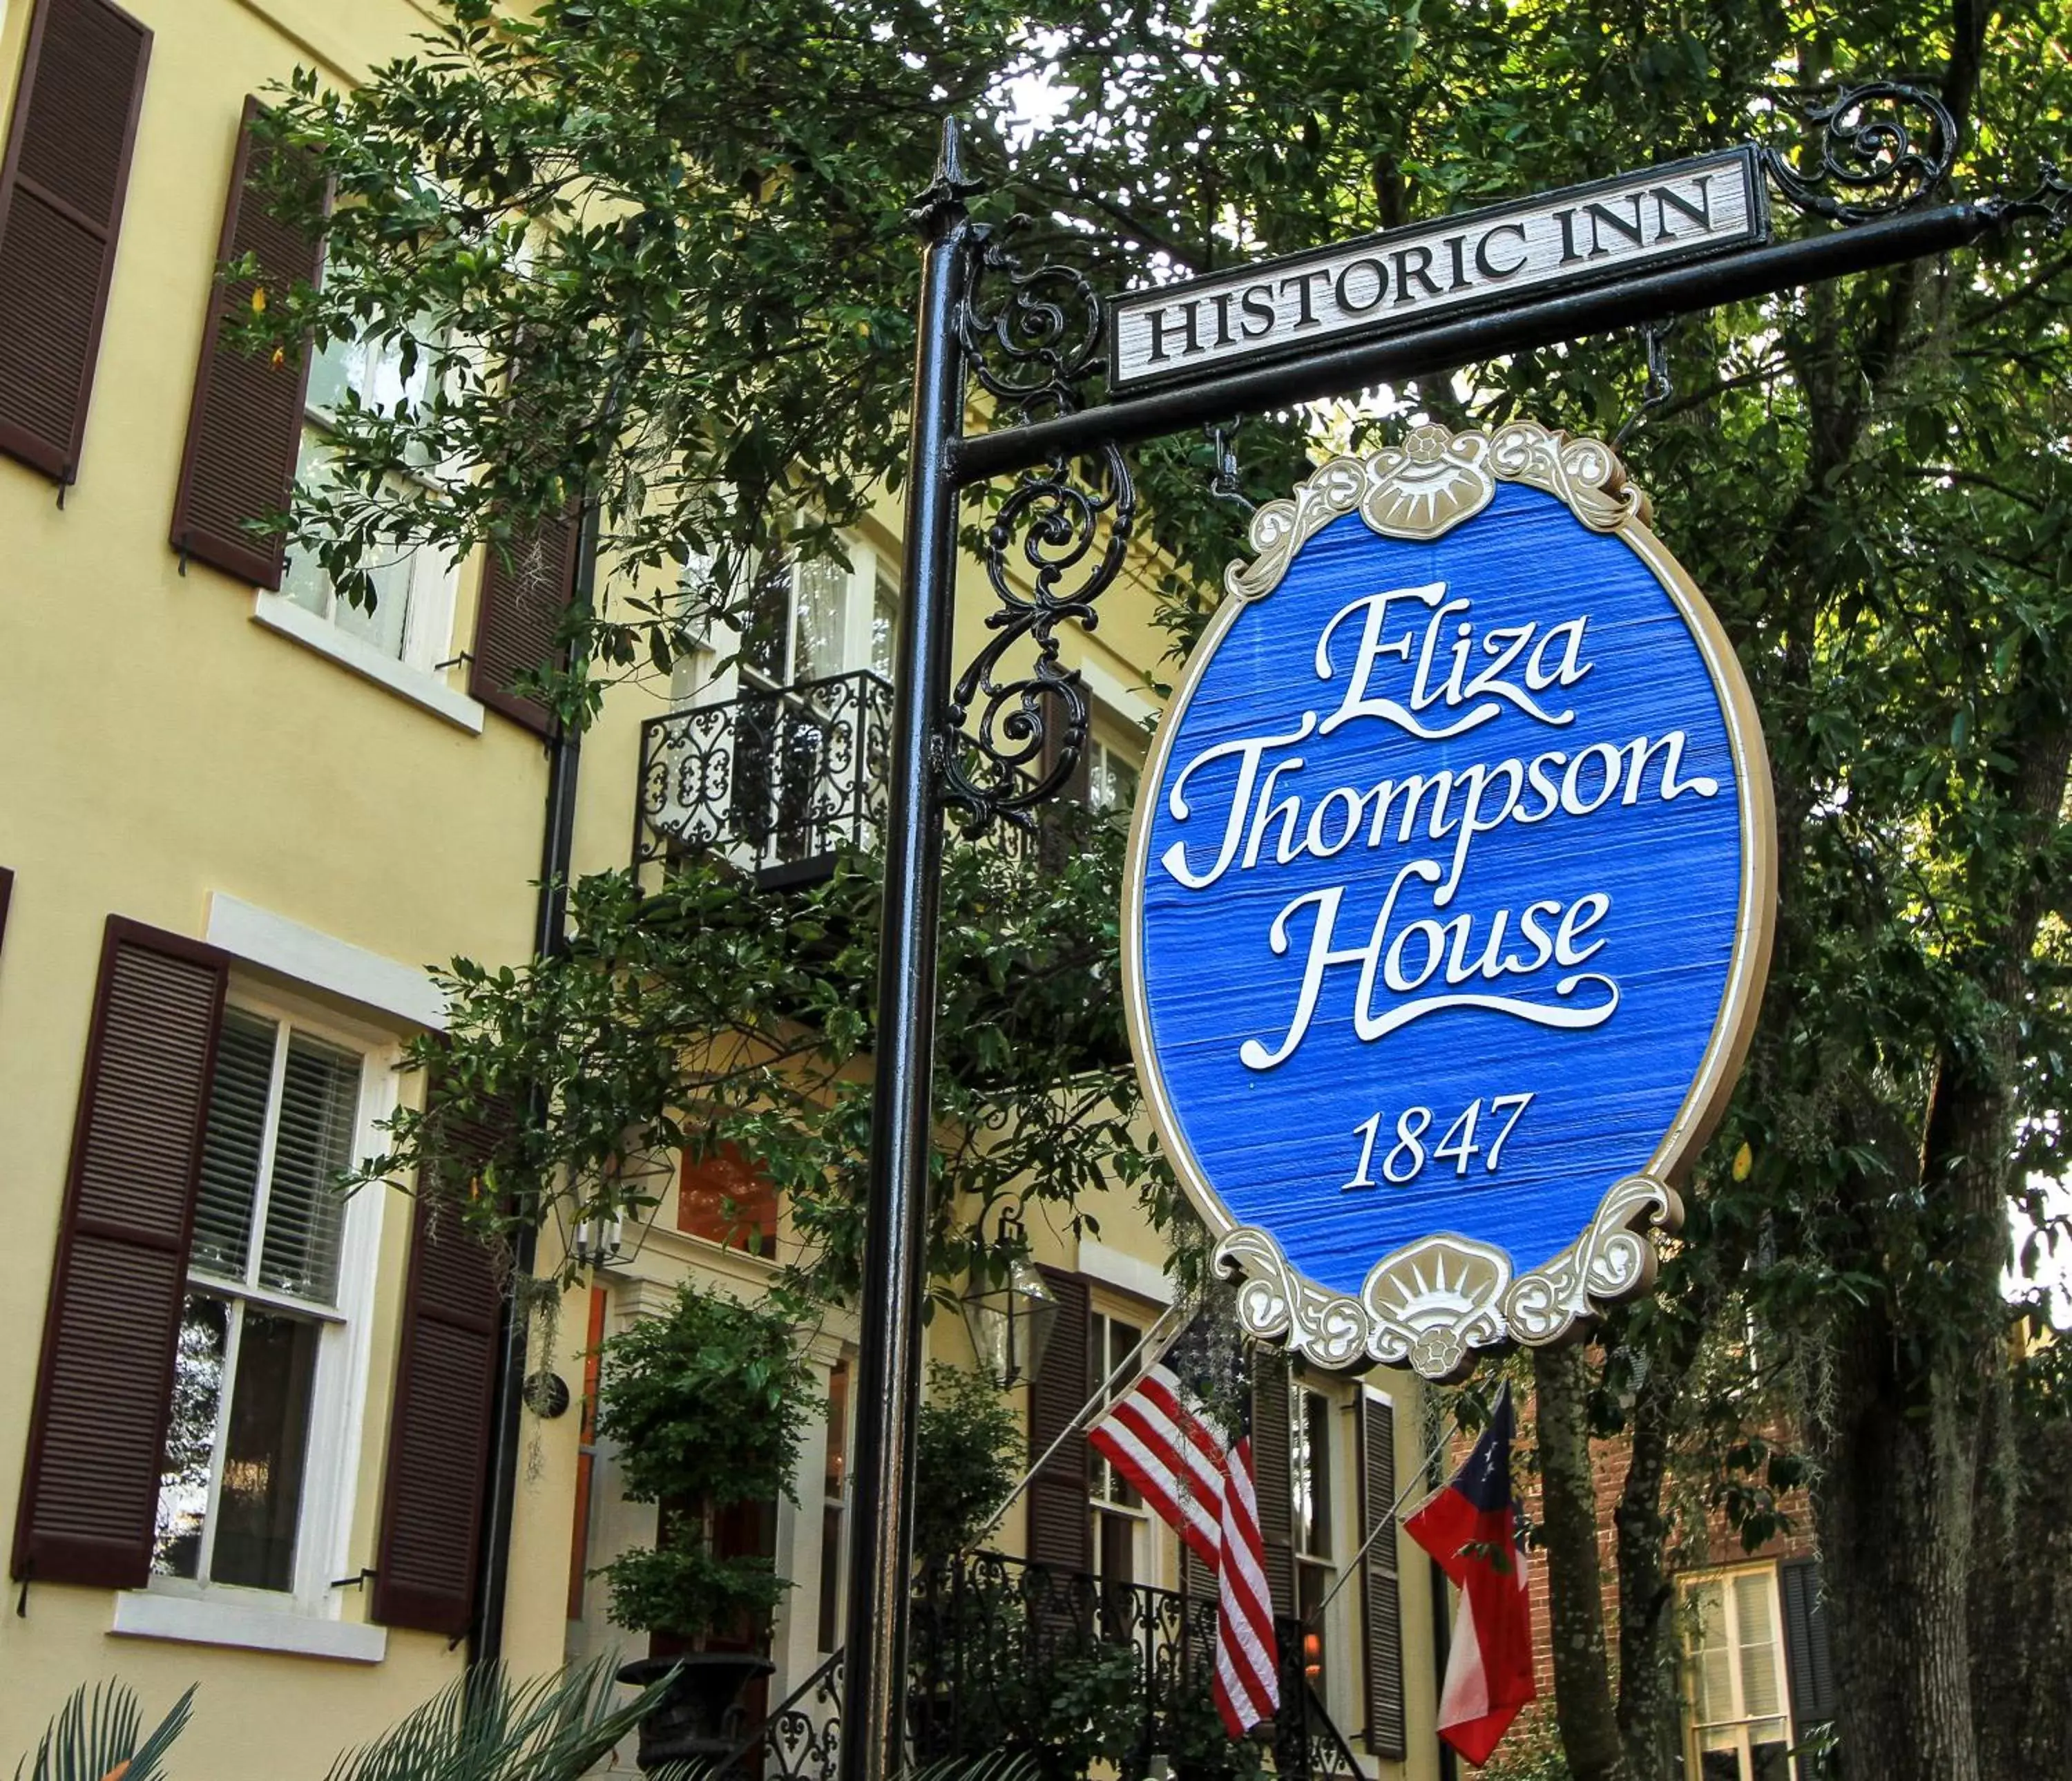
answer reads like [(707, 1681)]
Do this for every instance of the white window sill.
[(421, 687), (199, 1620)]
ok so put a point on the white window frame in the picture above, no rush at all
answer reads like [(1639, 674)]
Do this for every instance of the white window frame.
[(834, 1564), (1740, 1724), (1337, 1679), (1144, 1567), (338, 1391), (1119, 714)]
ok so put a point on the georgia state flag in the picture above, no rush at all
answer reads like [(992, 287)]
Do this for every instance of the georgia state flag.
[(1471, 1529)]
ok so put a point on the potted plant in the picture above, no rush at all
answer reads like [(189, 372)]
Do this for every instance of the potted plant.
[(706, 1405), (966, 1447)]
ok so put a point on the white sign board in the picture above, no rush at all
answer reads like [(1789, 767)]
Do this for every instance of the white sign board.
[(1452, 265)]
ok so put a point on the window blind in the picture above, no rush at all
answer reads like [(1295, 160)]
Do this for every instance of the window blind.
[(426, 1561), (526, 587), (305, 1211), (1762, 1696), (1271, 1476), (1812, 1671), (236, 1142)]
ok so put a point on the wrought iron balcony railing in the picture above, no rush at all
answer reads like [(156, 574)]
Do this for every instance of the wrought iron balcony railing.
[(1011, 1656), (778, 781)]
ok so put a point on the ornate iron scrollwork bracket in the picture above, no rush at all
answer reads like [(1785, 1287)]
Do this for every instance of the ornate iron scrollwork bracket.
[(1017, 717), (2050, 203), (1873, 157), (1872, 162)]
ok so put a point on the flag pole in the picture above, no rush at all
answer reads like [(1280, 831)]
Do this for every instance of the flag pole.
[(1387, 1521), (1143, 1357)]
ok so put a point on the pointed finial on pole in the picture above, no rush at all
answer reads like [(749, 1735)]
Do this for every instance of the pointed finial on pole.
[(950, 161), (946, 194)]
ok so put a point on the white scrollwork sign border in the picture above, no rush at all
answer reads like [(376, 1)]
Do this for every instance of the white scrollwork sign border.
[(1432, 1304), (1435, 481)]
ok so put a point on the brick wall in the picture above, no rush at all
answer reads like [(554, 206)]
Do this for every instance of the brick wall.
[(1608, 1462)]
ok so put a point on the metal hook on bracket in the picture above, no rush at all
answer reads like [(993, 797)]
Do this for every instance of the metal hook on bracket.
[(1223, 483), (1655, 335)]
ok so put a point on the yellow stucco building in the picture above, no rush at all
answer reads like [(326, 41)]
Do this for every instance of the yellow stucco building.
[(245, 1423)]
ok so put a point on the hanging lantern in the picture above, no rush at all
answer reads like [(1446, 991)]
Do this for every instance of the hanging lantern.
[(1010, 1322)]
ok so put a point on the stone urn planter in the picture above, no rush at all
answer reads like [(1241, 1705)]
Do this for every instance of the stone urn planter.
[(700, 1717)]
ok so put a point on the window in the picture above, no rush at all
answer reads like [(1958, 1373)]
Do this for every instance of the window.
[(1111, 781), (1118, 1510), (1735, 1679), (798, 624), (810, 731), (884, 621), (412, 617), (1309, 1507), (809, 620), (257, 1390), (725, 1198), (67, 153), (833, 1480)]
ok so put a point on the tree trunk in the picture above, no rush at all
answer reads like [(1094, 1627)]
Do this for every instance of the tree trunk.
[(1575, 1576), (1896, 1500), (2021, 1598), (1895, 1494), (1649, 1704), (1893, 1501)]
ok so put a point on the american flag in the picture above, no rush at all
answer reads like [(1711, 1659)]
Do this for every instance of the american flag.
[(1193, 1464)]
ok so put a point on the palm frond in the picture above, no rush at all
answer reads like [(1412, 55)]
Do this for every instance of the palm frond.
[(485, 1727), (95, 1734), (993, 1766)]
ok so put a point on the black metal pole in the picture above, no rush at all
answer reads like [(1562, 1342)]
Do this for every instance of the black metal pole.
[(492, 1577), (1442, 1646), (896, 1212), (550, 922), (1350, 369)]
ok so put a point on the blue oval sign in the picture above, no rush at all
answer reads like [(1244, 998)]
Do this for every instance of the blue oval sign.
[(1449, 900)]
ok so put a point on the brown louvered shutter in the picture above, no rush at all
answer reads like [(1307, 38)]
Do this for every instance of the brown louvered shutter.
[(526, 587), (439, 1428), (1197, 1586), (1811, 1667), (244, 429), (1053, 843), (104, 1388), (1270, 1475), (1060, 1529), (1381, 1594), (61, 189)]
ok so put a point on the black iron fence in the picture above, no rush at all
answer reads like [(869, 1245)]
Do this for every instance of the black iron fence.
[(1074, 1671)]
